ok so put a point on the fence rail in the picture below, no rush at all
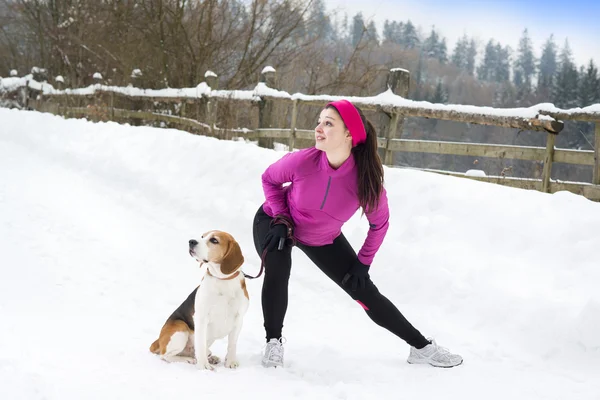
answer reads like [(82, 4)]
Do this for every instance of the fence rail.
[(391, 104)]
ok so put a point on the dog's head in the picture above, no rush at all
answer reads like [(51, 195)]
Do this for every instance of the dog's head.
[(219, 251)]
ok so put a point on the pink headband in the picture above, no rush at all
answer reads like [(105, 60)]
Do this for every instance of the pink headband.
[(352, 119)]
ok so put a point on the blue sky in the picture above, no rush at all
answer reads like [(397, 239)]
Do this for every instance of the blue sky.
[(503, 20)]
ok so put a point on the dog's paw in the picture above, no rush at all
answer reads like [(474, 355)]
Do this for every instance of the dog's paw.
[(191, 360), (205, 366), (232, 363), (213, 360)]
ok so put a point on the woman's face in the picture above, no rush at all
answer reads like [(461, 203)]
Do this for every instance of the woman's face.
[(331, 134)]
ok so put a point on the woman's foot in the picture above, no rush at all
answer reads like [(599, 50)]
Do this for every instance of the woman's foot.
[(273, 356), (435, 355)]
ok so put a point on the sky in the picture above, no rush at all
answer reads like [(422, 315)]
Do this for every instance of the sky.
[(95, 220), (502, 20)]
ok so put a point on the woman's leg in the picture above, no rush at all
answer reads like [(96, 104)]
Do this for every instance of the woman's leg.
[(335, 260), (278, 264)]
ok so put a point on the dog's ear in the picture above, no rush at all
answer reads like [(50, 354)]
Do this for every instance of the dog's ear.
[(233, 258)]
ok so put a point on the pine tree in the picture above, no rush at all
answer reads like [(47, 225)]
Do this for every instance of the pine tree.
[(371, 34), (589, 85), (442, 52), (471, 55), (440, 95), (459, 55), (524, 66), (548, 68), (358, 29), (502, 68), (320, 23), (410, 39), (388, 32), (565, 88), (431, 44), (487, 69)]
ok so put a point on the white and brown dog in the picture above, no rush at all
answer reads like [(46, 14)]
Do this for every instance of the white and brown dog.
[(215, 309)]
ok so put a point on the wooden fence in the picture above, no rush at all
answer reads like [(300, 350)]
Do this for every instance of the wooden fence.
[(196, 109)]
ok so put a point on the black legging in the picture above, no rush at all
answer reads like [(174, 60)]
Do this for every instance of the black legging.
[(334, 260)]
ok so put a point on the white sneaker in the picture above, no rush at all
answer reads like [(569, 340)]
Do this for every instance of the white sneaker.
[(434, 355), (273, 356)]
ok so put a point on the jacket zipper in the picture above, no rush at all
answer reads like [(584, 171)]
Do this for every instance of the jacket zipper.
[(326, 193)]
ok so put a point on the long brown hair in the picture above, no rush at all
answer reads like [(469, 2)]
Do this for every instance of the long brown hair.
[(369, 166)]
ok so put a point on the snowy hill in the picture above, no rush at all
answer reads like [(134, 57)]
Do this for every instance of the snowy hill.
[(94, 224)]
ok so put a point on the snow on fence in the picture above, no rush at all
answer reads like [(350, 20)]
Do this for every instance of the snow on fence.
[(392, 104)]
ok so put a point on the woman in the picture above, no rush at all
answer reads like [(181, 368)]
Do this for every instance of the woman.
[(328, 183)]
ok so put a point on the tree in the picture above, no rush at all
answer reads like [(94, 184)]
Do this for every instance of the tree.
[(372, 35), (440, 95), (487, 69), (320, 23), (524, 66), (459, 55), (547, 68), (410, 38), (589, 85), (471, 55), (502, 69), (431, 44), (358, 29), (565, 88)]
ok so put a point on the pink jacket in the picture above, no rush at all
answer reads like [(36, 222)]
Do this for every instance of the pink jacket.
[(320, 199)]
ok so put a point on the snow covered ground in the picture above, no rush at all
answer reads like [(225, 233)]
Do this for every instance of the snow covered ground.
[(94, 225)]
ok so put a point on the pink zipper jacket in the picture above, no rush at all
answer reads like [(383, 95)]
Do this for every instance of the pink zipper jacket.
[(320, 199)]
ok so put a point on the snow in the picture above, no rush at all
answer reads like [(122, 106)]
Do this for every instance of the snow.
[(387, 98), (95, 219), (263, 90), (97, 75), (209, 74), (398, 69), (266, 69), (475, 172), (136, 73), (60, 79), (13, 72)]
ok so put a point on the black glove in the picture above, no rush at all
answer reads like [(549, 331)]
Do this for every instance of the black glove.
[(357, 275), (275, 238)]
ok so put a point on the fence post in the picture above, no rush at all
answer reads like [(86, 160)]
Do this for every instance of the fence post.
[(212, 80), (292, 139), (548, 159), (596, 177), (398, 82), (266, 106)]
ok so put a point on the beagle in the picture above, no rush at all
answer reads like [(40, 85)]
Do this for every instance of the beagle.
[(214, 309)]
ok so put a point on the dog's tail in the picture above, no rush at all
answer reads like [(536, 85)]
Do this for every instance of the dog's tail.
[(154, 347)]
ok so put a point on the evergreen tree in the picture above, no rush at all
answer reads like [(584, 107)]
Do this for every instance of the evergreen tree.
[(502, 69), (388, 32), (431, 44), (589, 85), (320, 23), (419, 78), (565, 88), (459, 55), (440, 95), (548, 68), (471, 55), (410, 39), (358, 29), (442, 52), (371, 35), (524, 65), (487, 69)]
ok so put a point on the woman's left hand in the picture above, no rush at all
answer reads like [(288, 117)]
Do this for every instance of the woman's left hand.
[(357, 275)]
